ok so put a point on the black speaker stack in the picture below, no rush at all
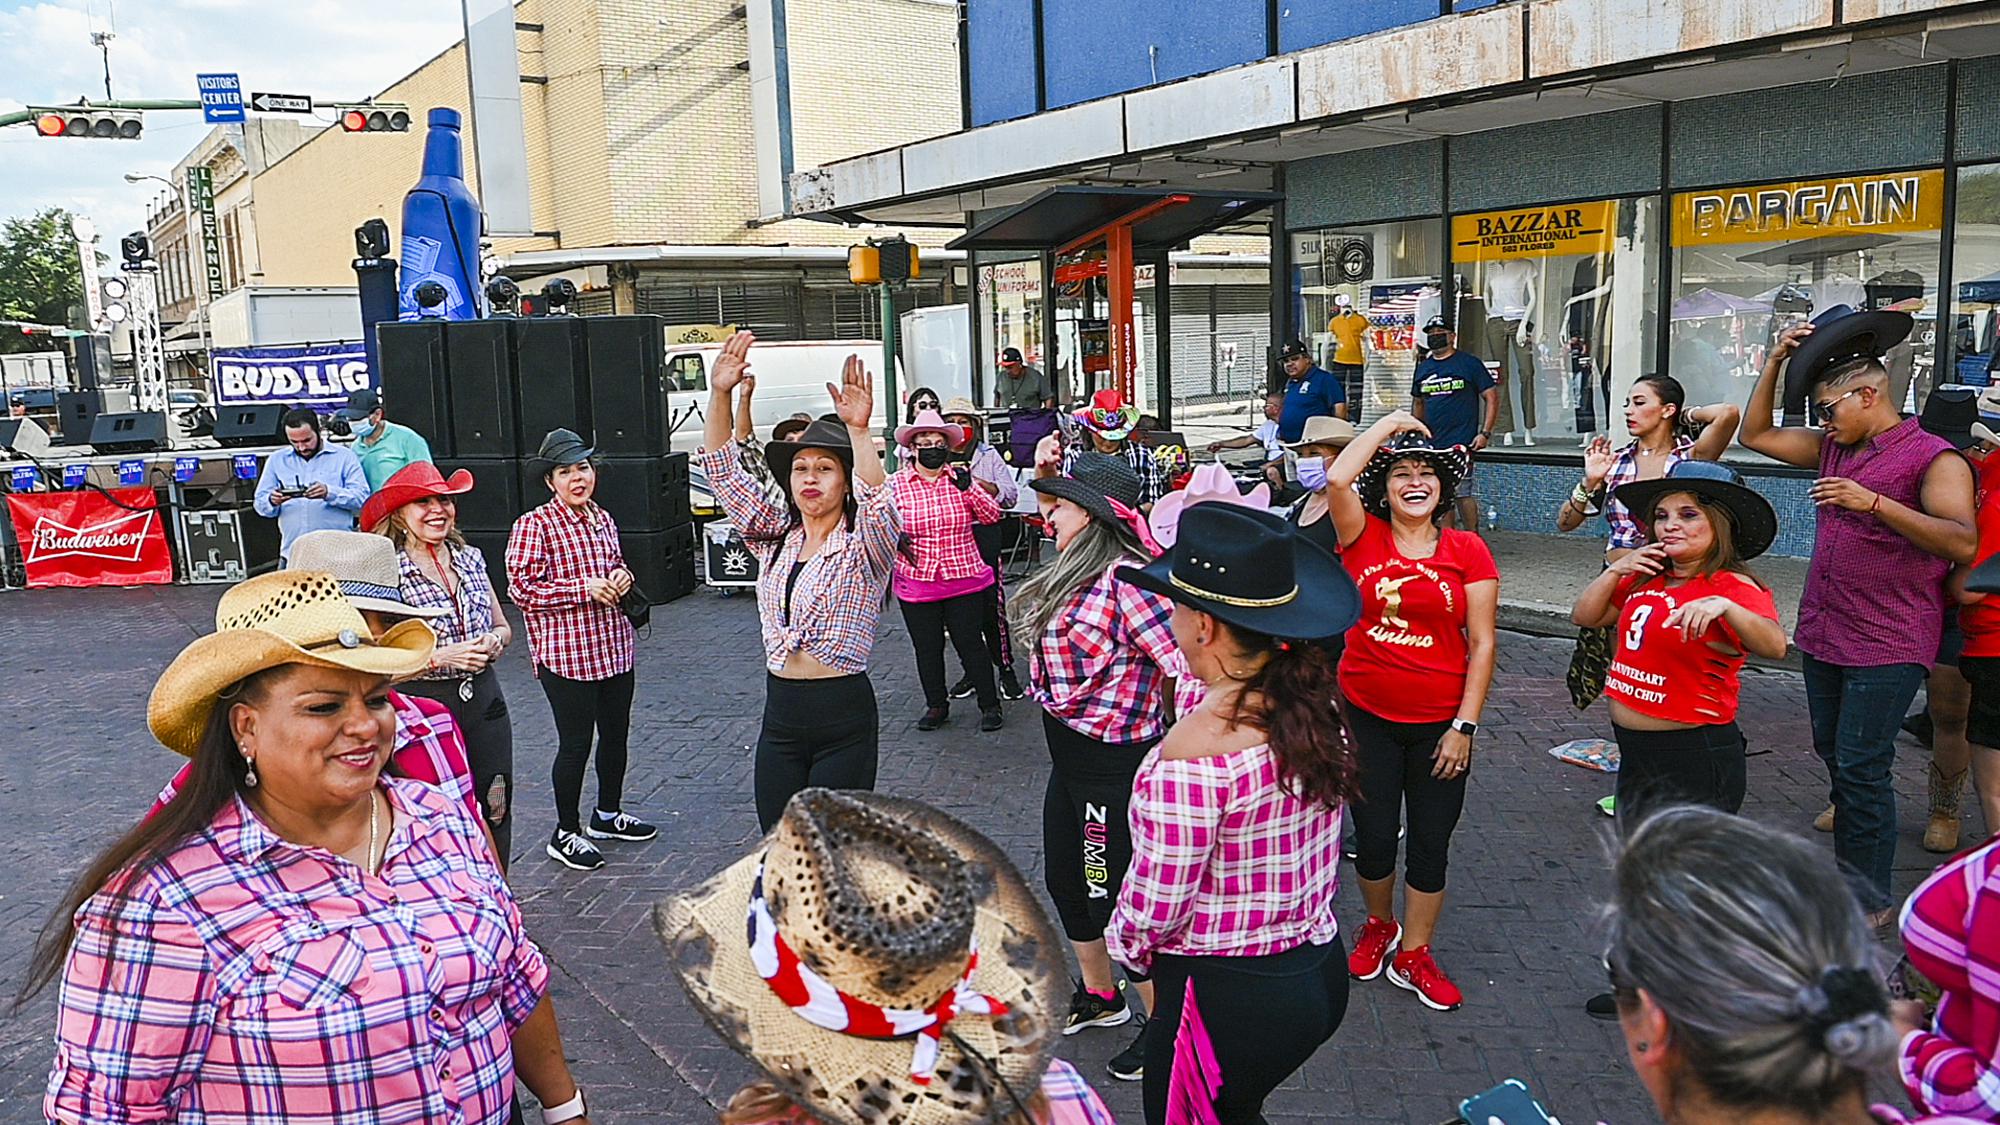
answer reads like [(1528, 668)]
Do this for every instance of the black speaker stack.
[(485, 392)]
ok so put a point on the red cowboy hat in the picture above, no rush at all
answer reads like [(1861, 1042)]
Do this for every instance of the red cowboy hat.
[(411, 482)]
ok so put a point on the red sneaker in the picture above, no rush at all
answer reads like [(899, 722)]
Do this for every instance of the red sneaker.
[(1415, 971), (1371, 949)]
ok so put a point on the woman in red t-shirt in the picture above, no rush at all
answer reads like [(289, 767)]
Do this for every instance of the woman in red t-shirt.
[(1687, 611), (1414, 674), (1979, 616)]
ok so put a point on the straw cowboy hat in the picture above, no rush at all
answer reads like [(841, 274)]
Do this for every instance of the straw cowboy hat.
[(930, 422), (882, 963), (412, 482), (363, 564), (1323, 429), (958, 406), (1209, 484), (286, 617)]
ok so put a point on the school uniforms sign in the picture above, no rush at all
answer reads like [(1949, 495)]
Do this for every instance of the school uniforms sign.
[(313, 375)]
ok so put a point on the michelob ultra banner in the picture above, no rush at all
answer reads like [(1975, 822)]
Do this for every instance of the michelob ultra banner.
[(1535, 232), (1883, 203)]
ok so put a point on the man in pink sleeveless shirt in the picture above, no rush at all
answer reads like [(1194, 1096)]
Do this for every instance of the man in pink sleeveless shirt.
[(1895, 511)]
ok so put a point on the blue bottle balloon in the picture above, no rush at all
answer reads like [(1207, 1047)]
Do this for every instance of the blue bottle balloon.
[(442, 223)]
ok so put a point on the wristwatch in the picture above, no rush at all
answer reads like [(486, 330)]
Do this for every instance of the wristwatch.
[(1468, 729), (568, 1111)]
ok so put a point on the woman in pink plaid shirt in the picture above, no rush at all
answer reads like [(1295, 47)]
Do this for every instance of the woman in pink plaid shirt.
[(1235, 821)]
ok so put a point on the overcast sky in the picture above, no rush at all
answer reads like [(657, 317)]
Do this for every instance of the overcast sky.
[(343, 50)]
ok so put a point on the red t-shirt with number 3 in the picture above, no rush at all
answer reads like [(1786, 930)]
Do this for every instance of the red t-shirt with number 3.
[(1657, 672), (1406, 658)]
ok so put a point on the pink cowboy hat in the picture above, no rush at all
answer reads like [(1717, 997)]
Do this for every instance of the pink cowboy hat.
[(930, 422), (1211, 483)]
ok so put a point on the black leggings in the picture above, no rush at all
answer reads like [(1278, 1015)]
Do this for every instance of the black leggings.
[(1265, 1016), (1086, 839), (999, 643), (1396, 762), (816, 733), (579, 706), (928, 622), (1699, 765), (489, 746)]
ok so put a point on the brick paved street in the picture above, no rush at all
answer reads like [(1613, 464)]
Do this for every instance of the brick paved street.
[(76, 765)]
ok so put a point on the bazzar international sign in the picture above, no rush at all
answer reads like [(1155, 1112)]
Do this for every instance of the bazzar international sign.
[(1534, 232), (1884, 203)]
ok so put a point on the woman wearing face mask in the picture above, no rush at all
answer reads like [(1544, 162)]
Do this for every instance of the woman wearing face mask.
[(1103, 665), (1321, 441), (1414, 675), (940, 578), (826, 555)]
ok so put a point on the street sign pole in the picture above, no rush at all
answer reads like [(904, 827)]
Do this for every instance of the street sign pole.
[(888, 295)]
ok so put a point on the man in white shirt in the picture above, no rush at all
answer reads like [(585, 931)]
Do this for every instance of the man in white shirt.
[(1265, 435)]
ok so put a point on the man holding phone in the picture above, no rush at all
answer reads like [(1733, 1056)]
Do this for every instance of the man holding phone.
[(310, 486)]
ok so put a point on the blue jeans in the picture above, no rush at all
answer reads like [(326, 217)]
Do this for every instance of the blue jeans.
[(1856, 713)]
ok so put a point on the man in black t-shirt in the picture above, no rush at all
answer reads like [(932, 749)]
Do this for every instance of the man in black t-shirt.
[(1456, 397)]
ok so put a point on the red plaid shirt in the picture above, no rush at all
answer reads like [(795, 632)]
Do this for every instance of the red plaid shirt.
[(1951, 930), (549, 554), (938, 519), (1225, 862), (1103, 660), (837, 605), (245, 980), (428, 748)]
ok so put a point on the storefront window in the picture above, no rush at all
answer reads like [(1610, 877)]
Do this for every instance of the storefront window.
[(1560, 301), (1975, 259), (1010, 299), (1361, 293), (1750, 262)]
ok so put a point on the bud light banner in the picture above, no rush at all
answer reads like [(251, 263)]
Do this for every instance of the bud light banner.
[(313, 375), (92, 538)]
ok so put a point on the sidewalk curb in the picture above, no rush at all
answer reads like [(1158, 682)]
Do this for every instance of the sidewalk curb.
[(1540, 619)]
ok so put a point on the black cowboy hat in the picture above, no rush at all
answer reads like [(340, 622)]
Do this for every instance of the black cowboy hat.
[(1451, 462), (1950, 413), (1094, 481), (1255, 571), (1840, 334), (563, 447), (1756, 521), (826, 432)]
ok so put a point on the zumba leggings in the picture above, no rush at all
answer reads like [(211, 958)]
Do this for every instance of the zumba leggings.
[(1086, 838)]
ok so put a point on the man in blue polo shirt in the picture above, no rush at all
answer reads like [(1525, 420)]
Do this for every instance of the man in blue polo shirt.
[(1456, 397), (1310, 391)]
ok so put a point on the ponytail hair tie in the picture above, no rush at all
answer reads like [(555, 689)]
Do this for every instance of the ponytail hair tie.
[(1842, 994)]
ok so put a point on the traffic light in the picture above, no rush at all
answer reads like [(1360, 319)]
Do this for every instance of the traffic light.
[(882, 261), (374, 118), (104, 124)]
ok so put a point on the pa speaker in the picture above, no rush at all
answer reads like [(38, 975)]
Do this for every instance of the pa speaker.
[(414, 388), (644, 493), (481, 370), (628, 395), (662, 562), (551, 378), (23, 437), (257, 424), (495, 501), (76, 412), (136, 432)]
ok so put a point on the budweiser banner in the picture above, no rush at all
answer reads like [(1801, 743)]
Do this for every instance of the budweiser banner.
[(92, 538)]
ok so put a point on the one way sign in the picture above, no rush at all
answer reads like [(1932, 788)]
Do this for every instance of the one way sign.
[(281, 103)]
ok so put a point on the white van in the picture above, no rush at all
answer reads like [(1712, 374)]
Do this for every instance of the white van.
[(791, 377)]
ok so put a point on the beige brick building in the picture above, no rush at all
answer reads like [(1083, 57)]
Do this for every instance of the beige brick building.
[(639, 131)]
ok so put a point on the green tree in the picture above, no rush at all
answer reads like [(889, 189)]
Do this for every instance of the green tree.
[(39, 277)]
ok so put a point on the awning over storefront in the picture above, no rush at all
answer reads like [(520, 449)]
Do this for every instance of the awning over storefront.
[(1060, 216)]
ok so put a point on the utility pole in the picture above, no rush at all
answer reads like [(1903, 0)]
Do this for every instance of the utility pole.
[(102, 40)]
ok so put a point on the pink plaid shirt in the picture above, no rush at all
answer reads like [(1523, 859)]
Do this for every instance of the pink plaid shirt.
[(244, 980), (549, 554), (1225, 862), (1951, 931), (1102, 662), (428, 748), (938, 520), (837, 605)]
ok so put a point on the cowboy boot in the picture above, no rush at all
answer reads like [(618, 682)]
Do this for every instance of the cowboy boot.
[(1942, 833)]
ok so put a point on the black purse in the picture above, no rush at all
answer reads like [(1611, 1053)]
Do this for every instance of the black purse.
[(637, 607)]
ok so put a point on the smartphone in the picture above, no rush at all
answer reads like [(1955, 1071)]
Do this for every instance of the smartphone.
[(1509, 1103)]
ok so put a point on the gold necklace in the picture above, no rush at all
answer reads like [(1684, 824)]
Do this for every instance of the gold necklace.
[(368, 863)]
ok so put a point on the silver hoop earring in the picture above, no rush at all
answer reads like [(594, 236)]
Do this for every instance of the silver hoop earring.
[(250, 772)]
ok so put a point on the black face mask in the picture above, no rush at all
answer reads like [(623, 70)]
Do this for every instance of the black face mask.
[(1437, 340), (933, 456)]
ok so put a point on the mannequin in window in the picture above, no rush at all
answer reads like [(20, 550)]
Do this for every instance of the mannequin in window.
[(1892, 289), (1588, 317), (1348, 328), (1510, 315)]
